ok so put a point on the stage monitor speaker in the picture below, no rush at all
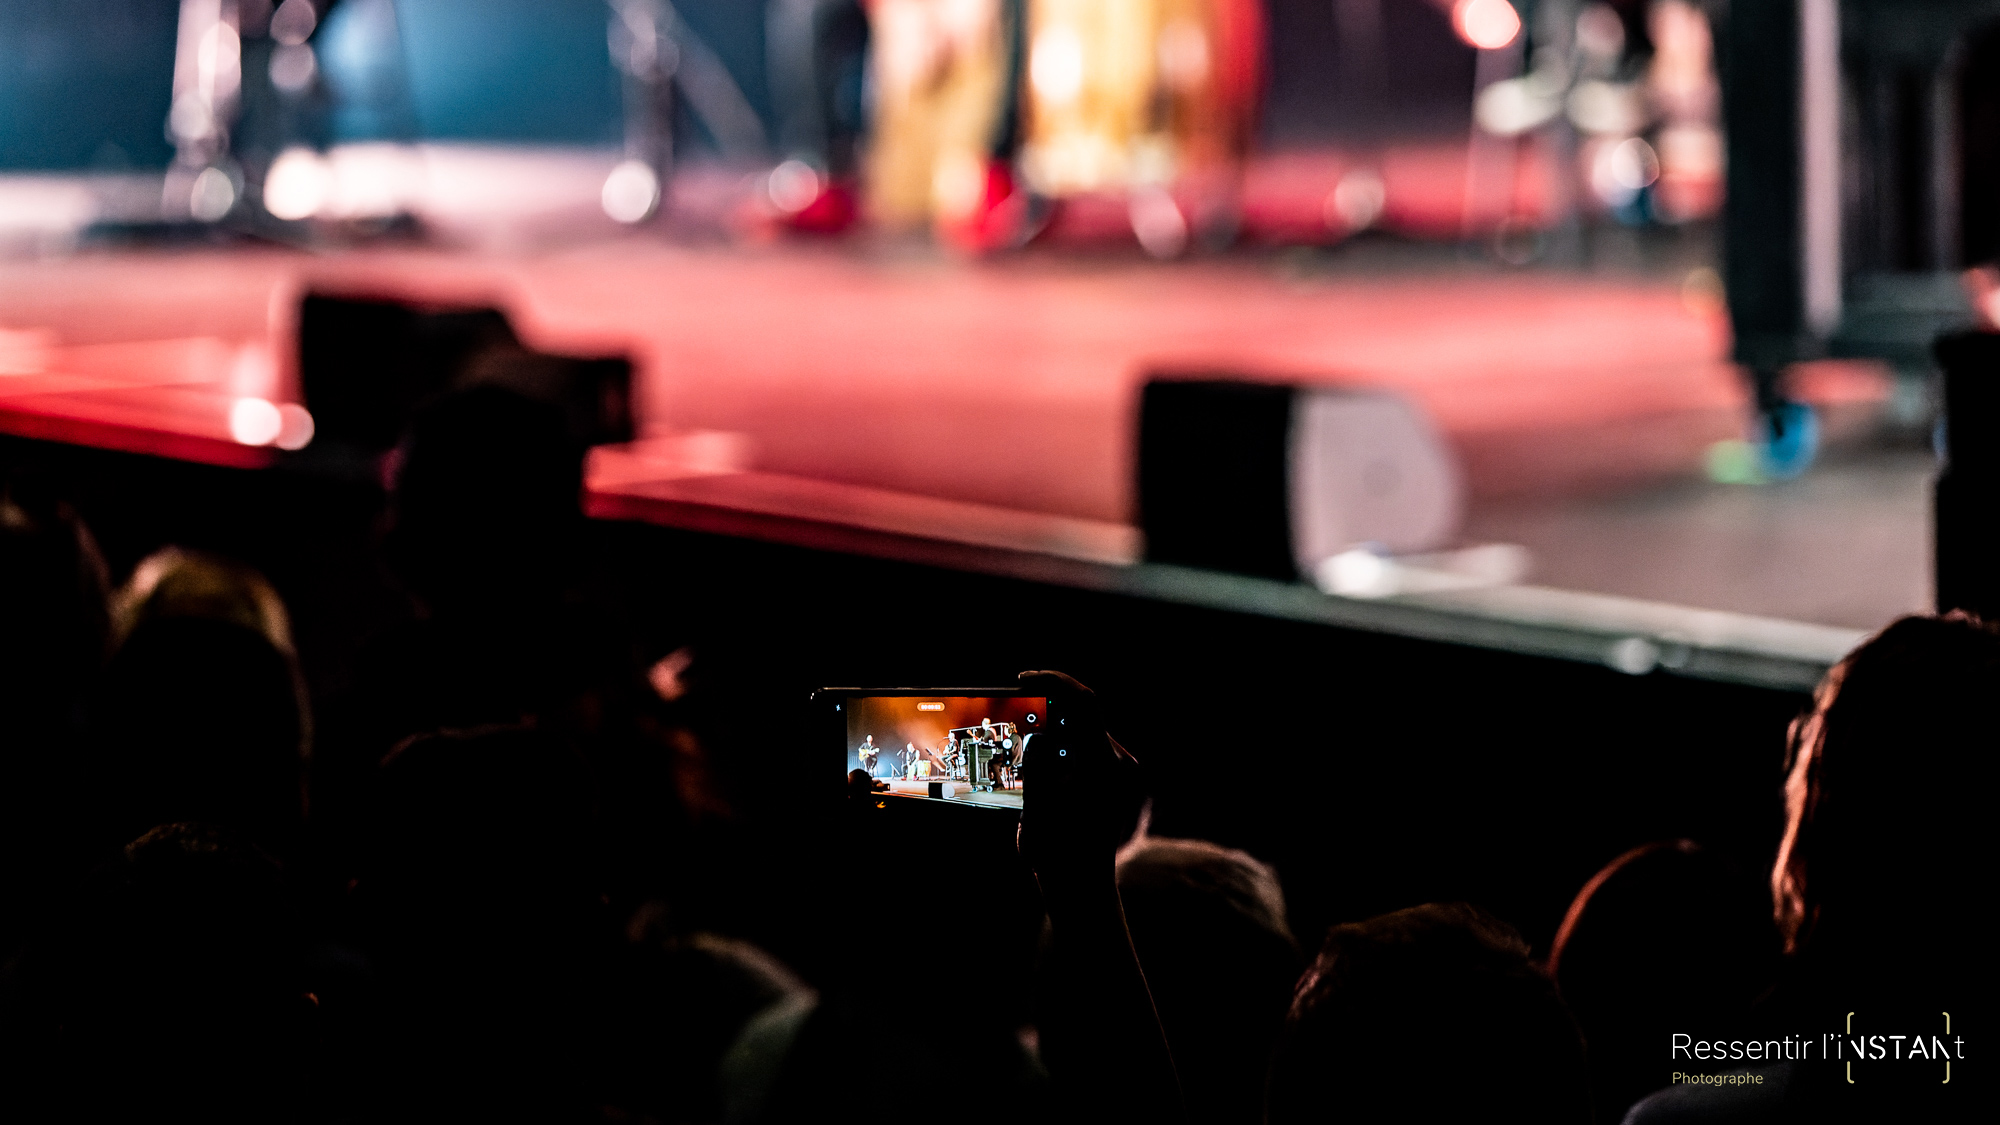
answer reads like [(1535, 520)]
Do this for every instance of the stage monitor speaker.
[(1967, 511), (367, 365), (1272, 479)]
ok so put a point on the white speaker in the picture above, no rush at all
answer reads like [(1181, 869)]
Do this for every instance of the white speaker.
[(1273, 480), (1368, 467)]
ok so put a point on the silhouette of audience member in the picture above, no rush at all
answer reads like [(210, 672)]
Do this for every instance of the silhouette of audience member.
[(1208, 924), (1876, 881), (482, 528), (1666, 938), (699, 993), (168, 989), (201, 715), (1430, 1014), (54, 617), (54, 622), (500, 967)]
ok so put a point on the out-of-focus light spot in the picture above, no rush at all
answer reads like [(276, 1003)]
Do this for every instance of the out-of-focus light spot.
[(792, 186), (1357, 201), (1634, 656), (1690, 151), (190, 118), (1982, 287), (1157, 221), (1055, 64), (293, 22), (1600, 32), (1634, 164), (1702, 293), (1607, 108), (373, 180), (255, 421), (1357, 573), (636, 41), (958, 184), (1183, 55), (1151, 160), (1732, 462), (212, 196), (631, 192), (666, 676), (45, 206), (298, 184), (1486, 24), (220, 59), (1513, 106), (293, 68), (295, 427)]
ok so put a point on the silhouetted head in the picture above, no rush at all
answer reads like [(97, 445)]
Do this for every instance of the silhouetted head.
[(170, 988), (1885, 839), (487, 498), (1208, 924), (53, 616), (202, 715), (53, 627), (1667, 938), (1431, 1014)]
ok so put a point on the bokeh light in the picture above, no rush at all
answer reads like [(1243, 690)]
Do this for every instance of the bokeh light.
[(1486, 24), (295, 427), (214, 193), (1055, 66), (255, 421), (631, 192), (793, 186), (298, 184)]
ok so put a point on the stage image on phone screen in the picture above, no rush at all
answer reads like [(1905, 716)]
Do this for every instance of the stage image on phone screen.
[(962, 747)]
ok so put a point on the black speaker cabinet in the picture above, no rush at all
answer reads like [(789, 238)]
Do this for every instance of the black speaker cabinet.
[(1272, 479), (1967, 500)]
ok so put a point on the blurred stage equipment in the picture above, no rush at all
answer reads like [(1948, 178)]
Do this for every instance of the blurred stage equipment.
[(943, 76), (1274, 480), (1155, 99), (366, 365), (1967, 508), (663, 63), (204, 183), (646, 59), (1845, 239), (817, 54)]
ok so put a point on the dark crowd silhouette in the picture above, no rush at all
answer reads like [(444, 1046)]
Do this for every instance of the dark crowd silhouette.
[(473, 891)]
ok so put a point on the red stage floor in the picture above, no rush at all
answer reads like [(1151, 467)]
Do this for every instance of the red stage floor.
[(1581, 406), (1008, 383)]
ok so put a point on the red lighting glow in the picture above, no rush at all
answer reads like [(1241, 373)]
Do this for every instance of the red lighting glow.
[(1486, 24)]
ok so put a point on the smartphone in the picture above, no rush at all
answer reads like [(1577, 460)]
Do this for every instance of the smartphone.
[(965, 745)]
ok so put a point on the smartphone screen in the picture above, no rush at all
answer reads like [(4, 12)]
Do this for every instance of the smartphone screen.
[(955, 745)]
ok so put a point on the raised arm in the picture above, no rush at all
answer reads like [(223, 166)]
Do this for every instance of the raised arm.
[(1104, 1044)]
